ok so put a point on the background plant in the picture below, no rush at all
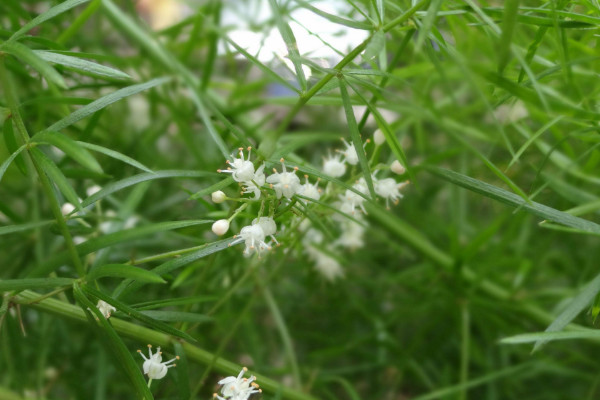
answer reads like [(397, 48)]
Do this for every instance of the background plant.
[(492, 107)]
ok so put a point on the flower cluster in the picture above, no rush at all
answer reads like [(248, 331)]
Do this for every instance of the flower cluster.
[(238, 388), (284, 193)]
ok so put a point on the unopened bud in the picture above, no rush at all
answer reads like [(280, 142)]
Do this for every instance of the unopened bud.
[(218, 196), (378, 137), (397, 167), (67, 208), (220, 227)]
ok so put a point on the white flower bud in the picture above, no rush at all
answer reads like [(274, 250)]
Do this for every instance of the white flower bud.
[(67, 208), (218, 196), (220, 227), (378, 137), (397, 168), (92, 189)]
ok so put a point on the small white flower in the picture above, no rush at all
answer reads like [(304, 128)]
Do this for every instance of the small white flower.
[(285, 183), (350, 153), (397, 168), (67, 209), (218, 196), (242, 170), (389, 189), (238, 388), (268, 226), (153, 365), (92, 190), (328, 266), (105, 308), (352, 235), (254, 238), (253, 186), (353, 199), (220, 227), (378, 137), (310, 190), (334, 166)]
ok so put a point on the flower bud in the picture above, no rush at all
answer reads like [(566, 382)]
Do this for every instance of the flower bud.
[(397, 168), (220, 227), (378, 137), (218, 196)]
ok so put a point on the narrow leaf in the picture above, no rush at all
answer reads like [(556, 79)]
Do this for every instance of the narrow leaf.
[(116, 155), (12, 145), (41, 283), (356, 140), (104, 102), (124, 271), (70, 147), (122, 307), (575, 306), (5, 230), (9, 160), (51, 13), (177, 316), (512, 199), (551, 336), (36, 62), (134, 180), (81, 65), (124, 357), (55, 174)]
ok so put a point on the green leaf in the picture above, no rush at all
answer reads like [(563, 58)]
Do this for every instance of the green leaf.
[(213, 188), (41, 283), (375, 46), (125, 360), (355, 136), (509, 21), (51, 13), (149, 305), (512, 199), (81, 65), (56, 175), (12, 146), (70, 147), (5, 230), (334, 18), (111, 239), (124, 271), (551, 336), (428, 22), (172, 265), (177, 316), (134, 180), (575, 306), (9, 160), (103, 102), (124, 308), (116, 155), (290, 42), (36, 62)]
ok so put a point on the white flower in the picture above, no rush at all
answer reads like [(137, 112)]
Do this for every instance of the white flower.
[(268, 226), (352, 235), (397, 168), (328, 266), (378, 137), (218, 196), (389, 189), (310, 190), (254, 238), (238, 388), (353, 199), (92, 190), (350, 153), (242, 170), (285, 183), (334, 166), (153, 366), (220, 227), (105, 308), (67, 209), (253, 186)]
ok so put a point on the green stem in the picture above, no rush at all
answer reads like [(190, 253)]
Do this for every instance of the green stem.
[(148, 335)]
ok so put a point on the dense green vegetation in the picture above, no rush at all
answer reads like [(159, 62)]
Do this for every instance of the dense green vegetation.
[(113, 133)]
